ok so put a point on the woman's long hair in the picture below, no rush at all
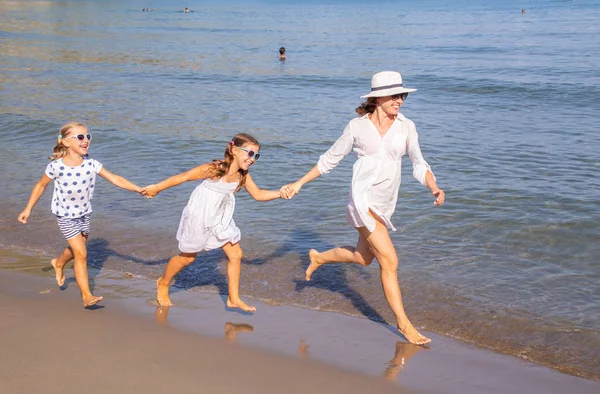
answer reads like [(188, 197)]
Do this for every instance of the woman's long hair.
[(221, 167), (367, 107), (60, 150)]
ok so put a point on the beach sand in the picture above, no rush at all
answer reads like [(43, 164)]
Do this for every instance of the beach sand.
[(51, 344)]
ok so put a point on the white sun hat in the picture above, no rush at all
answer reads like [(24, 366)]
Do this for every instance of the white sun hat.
[(387, 83)]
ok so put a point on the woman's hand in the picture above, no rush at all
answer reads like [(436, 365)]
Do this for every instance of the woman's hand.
[(440, 196), (23, 216), (149, 191)]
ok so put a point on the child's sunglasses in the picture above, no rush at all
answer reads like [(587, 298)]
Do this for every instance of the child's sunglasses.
[(251, 153), (403, 96), (81, 137)]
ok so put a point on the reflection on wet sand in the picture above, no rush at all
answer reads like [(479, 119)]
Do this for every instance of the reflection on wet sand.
[(231, 330), (161, 314), (303, 349), (404, 351)]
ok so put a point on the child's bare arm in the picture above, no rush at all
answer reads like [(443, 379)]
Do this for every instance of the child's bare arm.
[(36, 193), (119, 181), (259, 194), (194, 174)]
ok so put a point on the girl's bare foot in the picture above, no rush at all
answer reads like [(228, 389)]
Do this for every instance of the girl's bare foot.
[(58, 271), (240, 304), (91, 300), (162, 294), (412, 335), (312, 255)]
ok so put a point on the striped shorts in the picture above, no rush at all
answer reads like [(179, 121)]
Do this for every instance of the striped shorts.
[(71, 227)]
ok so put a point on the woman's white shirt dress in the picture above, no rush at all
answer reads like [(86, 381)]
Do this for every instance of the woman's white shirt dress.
[(376, 174)]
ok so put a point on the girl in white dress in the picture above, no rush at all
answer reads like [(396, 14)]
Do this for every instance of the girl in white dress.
[(207, 220), (379, 137)]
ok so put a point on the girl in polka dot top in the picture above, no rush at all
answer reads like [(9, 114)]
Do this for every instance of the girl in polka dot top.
[(74, 176)]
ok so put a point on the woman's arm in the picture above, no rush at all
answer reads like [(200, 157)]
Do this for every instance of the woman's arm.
[(439, 194), (290, 190), (119, 181), (259, 194), (327, 162), (36, 193), (194, 174), (422, 170)]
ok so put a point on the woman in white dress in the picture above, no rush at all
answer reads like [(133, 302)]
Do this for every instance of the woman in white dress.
[(207, 220), (380, 136)]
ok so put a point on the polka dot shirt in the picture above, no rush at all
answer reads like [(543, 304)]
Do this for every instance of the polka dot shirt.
[(73, 187)]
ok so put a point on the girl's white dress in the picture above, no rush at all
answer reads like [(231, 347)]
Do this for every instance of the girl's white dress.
[(207, 220)]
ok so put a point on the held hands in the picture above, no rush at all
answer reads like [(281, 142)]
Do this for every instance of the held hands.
[(290, 190), (440, 196), (149, 191)]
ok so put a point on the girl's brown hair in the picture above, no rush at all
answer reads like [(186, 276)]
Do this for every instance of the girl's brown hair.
[(367, 106), (60, 150), (221, 167)]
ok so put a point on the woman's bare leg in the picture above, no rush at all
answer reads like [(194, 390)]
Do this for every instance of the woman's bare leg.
[(343, 254), (79, 251), (382, 247), (176, 264), (59, 263), (234, 269)]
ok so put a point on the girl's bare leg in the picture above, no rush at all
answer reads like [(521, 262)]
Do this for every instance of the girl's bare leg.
[(176, 264), (59, 263), (382, 247), (234, 268), (79, 251), (343, 254)]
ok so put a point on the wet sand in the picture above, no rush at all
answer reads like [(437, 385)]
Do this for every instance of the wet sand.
[(131, 345), (50, 344)]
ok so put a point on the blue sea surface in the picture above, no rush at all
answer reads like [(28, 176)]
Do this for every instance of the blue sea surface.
[(506, 110)]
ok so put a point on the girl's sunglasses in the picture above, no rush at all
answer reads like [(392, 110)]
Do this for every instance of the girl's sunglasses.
[(403, 96), (251, 153), (81, 137)]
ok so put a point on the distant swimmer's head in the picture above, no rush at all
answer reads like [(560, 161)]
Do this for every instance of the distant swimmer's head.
[(186, 10), (282, 53)]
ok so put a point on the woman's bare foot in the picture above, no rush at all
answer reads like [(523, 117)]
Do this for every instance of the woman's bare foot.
[(90, 300), (412, 335), (58, 271), (312, 255), (240, 304), (162, 294)]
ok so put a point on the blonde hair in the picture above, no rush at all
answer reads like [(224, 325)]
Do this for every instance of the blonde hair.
[(61, 150), (367, 106), (221, 167)]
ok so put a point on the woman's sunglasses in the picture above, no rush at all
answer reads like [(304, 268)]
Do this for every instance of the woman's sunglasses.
[(81, 137), (403, 96), (251, 153)]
